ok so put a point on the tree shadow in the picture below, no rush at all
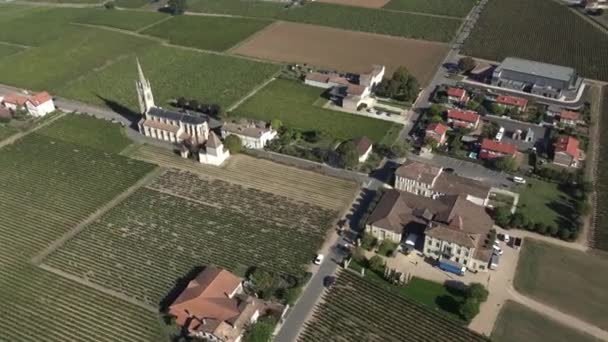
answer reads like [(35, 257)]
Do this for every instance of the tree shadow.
[(448, 303), (360, 208)]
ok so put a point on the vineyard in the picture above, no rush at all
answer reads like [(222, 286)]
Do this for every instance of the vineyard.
[(126, 20), (181, 221), (456, 8), (356, 309), (297, 184), (601, 220), (88, 131), (41, 200), (540, 30)]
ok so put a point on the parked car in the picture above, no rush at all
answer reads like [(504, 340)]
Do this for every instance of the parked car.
[(497, 249), (319, 259), (329, 281), (506, 238), (519, 180)]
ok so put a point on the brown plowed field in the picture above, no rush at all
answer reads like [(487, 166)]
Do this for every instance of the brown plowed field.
[(358, 3), (344, 50)]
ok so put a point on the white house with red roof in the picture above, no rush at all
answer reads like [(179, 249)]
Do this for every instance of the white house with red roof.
[(464, 119), (436, 131), (569, 118), (457, 95), (40, 104), (14, 101), (566, 151), (512, 102), (491, 149)]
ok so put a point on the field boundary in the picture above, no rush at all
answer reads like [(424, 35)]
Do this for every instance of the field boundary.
[(99, 288), (251, 37), (253, 92), (16, 45), (11, 139), (37, 259), (167, 18), (590, 222)]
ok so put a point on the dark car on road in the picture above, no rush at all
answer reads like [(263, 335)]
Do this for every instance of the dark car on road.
[(328, 281)]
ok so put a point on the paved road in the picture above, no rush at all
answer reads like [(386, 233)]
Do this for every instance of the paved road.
[(294, 322)]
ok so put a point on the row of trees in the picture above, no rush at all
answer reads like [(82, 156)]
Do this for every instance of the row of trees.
[(402, 86)]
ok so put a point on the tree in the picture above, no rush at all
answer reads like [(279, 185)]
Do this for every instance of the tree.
[(583, 208), (260, 331), (473, 105), (233, 144), (436, 109), (518, 220), (177, 7), (399, 149), (540, 228), (478, 292), (349, 157), (276, 124), (502, 216), (466, 64), (376, 264), (432, 143), (291, 295), (263, 283), (552, 230), (181, 102), (564, 233), (508, 164), (469, 309), (193, 104), (109, 5), (402, 86), (368, 241)]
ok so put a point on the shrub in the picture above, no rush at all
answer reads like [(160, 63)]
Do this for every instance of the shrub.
[(469, 309), (290, 296), (376, 264), (478, 292), (387, 248), (233, 144), (502, 216), (368, 241)]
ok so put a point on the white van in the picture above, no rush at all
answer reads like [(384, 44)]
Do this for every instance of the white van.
[(500, 134), (497, 250), (519, 180)]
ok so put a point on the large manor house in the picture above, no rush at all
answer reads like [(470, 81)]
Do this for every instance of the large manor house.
[(193, 130)]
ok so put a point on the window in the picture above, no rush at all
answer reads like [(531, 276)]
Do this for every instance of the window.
[(457, 259), (481, 267), (428, 251), (466, 254), (437, 244)]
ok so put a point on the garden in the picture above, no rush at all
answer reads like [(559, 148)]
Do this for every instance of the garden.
[(388, 316), (182, 221), (567, 279)]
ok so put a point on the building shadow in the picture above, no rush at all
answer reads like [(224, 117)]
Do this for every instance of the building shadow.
[(178, 287), (125, 112)]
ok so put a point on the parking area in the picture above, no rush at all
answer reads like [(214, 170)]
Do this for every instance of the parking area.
[(516, 132)]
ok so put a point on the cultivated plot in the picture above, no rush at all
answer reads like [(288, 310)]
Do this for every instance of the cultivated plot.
[(455, 8), (541, 30), (600, 236), (182, 221), (292, 103), (358, 3), (208, 33), (565, 279), (126, 20), (388, 317), (6, 50), (518, 323), (344, 50)]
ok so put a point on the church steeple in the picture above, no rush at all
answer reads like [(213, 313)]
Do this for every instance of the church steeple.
[(144, 91)]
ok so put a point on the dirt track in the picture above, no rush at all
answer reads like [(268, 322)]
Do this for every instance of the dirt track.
[(343, 50), (358, 3)]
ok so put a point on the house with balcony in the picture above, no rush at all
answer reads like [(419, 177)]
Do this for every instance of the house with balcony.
[(463, 118), (492, 149), (512, 102), (436, 131), (457, 96)]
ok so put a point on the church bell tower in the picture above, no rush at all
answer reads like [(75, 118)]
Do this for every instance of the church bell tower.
[(144, 91)]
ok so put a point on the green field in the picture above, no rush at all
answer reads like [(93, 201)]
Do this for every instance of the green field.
[(88, 131), (518, 323), (540, 30), (209, 78), (356, 309), (601, 182), (209, 33), (343, 17), (131, 3), (182, 221), (542, 201), (6, 50), (125, 20), (569, 280), (61, 61), (455, 8), (49, 186), (6, 131), (292, 103)]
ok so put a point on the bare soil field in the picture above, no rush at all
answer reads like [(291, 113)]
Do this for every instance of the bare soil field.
[(358, 3), (344, 50)]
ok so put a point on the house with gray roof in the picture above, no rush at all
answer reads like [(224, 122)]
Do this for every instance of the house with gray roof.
[(547, 80)]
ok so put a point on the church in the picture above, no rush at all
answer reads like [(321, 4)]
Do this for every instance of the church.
[(177, 127)]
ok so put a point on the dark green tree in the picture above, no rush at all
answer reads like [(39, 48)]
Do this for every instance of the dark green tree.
[(478, 292), (233, 144), (260, 331), (469, 309), (466, 64), (502, 216), (349, 157), (177, 7)]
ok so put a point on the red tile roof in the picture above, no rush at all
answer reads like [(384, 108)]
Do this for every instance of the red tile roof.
[(317, 77), (570, 115), (438, 128), (497, 146), (15, 99), (456, 92), (569, 145), (40, 98), (512, 101), (467, 116)]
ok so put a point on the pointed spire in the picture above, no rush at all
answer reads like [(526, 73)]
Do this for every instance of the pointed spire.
[(140, 72), (213, 141)]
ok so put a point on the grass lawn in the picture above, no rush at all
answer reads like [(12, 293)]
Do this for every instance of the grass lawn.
[(88, 131), (455, 8), (60, 61), (125, 20), (292, 103), (6, 50), (434, 295), (209, 33), (544, 202), (209, 78), (344, 17), (572, 281), (517, 323), (6, 131)]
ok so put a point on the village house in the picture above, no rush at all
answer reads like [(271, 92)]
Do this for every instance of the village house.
[(37, 105), (492, 149), (457, 96), (428, 180), (566, 151), (464, 119), (363, 145), (512, 102), (254, 135), (569, 118), (453, 227), (436, 131), (214, 307)]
